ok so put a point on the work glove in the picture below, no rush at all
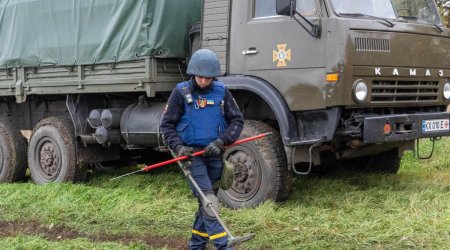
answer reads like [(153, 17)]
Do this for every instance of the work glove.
[(214, 148), (181, 150)]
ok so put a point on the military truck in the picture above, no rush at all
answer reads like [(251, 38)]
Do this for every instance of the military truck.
[(335, 81)]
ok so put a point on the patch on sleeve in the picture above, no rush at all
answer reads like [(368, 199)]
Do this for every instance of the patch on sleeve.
[(165, 108)]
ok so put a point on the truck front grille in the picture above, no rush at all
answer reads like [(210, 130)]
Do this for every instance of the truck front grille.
[(372, 44), (404, 91)]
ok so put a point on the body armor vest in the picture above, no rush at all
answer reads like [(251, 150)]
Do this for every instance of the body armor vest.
[(203, 119)]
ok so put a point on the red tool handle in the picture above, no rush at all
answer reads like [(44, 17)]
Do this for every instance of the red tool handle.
[(182, 158)]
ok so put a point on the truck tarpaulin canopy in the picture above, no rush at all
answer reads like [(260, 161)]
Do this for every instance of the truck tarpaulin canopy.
[(77, 32)]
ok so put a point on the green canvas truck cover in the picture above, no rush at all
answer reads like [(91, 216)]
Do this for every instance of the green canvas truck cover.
[(79, 32)]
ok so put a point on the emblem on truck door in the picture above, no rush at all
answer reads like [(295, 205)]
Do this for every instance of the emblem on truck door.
[(281, 55)]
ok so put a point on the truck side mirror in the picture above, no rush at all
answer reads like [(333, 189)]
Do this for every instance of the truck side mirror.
[(286, 7)]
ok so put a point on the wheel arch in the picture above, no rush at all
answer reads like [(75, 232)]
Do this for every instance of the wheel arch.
[(269, 96)]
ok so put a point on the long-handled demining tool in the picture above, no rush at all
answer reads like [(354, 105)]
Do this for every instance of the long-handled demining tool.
[(232, 241), (182, 158)]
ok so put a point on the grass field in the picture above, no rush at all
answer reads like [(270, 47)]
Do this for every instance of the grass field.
[(155, 211)]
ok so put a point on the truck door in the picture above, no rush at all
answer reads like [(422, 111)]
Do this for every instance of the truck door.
[(276, 48)]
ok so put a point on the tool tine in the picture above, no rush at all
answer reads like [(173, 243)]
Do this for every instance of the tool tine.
[(115, 178)]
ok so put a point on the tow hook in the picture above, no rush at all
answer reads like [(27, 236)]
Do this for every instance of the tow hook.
[(433, 140)]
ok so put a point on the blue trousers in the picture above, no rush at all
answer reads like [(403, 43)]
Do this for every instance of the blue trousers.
[(206, 172)]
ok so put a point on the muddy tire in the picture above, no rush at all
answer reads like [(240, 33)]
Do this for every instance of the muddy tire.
[(13, 162), (261, 171), (52, 152)]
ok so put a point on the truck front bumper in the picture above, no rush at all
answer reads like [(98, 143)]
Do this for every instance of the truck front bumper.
[(405, 127)]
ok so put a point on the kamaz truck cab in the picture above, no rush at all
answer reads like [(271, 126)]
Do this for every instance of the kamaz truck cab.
[(343, 81)]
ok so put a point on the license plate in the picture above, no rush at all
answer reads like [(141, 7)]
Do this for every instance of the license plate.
[(435, 125)]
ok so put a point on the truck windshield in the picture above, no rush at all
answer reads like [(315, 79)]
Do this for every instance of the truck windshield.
[(422, 11)]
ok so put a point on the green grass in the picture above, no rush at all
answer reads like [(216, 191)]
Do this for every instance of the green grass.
[(342, 211), (35, 242)]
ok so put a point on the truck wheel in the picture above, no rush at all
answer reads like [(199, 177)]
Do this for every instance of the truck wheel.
[(12, 153), (261, 171), (52, 152), (387, 162)]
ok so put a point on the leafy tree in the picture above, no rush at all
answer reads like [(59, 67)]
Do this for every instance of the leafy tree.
[(444, 7), (422, 9)]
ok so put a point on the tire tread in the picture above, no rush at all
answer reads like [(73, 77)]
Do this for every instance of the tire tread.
[(275, 153), (15, 170)]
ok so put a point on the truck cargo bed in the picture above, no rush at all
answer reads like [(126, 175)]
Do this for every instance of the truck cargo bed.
[(149, 75)]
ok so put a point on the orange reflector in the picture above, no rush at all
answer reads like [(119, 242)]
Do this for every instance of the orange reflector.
[(334, 77), (387, 128)]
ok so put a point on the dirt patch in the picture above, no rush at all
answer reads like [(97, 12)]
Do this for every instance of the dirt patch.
[(55, 233)]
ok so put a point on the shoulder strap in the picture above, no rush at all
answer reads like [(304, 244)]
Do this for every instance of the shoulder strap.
[(186, 91)]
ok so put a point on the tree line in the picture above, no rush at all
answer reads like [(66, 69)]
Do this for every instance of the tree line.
[(444, 7)]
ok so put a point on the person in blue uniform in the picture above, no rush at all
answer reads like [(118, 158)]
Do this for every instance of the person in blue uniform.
[(202, 114)]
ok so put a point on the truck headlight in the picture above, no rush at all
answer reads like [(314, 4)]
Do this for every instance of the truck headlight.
[(446, 91), (360, 91)]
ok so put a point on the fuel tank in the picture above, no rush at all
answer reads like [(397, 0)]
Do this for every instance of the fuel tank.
[(139, 125)]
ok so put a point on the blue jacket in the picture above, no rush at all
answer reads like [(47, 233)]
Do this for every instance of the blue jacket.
[(184, 124)]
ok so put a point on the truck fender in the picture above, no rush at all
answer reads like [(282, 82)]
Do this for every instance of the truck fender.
[(284, 116)]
